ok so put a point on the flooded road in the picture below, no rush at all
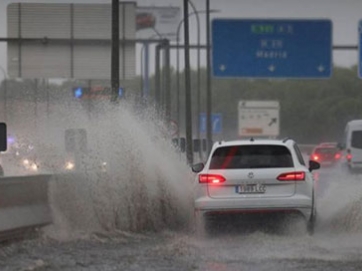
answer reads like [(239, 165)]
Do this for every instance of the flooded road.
[(336, 244), (137, 214)]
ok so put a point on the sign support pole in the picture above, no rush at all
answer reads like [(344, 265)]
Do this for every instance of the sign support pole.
[(115, 50)]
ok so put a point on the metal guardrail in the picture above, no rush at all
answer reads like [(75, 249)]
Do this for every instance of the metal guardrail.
[(24, 205)]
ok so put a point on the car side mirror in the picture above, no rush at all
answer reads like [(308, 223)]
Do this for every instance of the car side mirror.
[(313, 165), (198, 167)]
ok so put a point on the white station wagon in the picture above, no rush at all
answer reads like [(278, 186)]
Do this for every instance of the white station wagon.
[(255, 176)]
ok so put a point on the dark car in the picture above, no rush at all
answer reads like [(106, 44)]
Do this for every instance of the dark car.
[(327, 154)]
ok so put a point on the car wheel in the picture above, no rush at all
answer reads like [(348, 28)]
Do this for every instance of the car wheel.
[(199, 224), (310, 227), (312, 222), (313, 218), (296, 225)]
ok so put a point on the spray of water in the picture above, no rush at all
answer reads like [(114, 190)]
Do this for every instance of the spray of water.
[(340, 207), (131, 178)]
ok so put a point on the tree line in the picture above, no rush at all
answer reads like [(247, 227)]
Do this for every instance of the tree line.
[(311, 110)]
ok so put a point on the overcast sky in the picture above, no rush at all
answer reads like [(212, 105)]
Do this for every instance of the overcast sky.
[(344, 14)]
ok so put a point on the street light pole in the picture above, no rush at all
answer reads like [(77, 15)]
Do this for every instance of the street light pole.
[(198, 98), (115, 51), (208, 80), (196, 12), (188, 109), (178, 68)]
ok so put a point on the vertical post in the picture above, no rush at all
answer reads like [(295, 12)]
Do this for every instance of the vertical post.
[(123, 42), (20, 41), (208, 80), (48, 99), (158, 76), (188, 116), (115, 51), (5, 98), (5, 92), (142, 72), (146, 83), (71, 40), (178, 80), (198, 96), (35, 103), (89, 103), (167, 80)]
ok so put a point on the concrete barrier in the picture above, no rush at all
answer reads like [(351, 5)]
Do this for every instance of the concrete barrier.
[(24, 202)]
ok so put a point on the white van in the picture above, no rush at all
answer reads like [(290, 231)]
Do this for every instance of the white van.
[(352, 144)]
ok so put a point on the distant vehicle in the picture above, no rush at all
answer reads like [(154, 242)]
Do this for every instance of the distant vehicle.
[(258, 176), (327, 154), (352, 145)]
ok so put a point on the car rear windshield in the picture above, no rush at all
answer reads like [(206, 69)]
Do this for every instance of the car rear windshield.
[(255, 156), (330, 150), (357, 139)]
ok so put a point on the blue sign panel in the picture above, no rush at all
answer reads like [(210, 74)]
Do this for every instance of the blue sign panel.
[(216, 121), (261, 48)]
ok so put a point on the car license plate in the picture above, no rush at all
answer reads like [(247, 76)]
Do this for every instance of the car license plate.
[(250, 189)]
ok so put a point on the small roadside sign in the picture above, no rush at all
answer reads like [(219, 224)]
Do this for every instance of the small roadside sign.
[(258, 118), (216, 122)]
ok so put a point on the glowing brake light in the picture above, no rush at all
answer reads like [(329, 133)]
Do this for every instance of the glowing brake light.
[(349, 157), (315, 157), (292, 176), (211, 178)]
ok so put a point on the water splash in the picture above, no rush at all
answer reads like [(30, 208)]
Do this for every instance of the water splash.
[(340, 209), (146, 185)]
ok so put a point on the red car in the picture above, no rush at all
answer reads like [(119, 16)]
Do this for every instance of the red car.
[(326, 154)]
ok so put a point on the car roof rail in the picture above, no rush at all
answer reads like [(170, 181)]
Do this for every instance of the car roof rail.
[(285, 139)]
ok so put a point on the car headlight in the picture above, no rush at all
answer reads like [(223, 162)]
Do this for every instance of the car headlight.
[(34, 167), (69, 166), (104, 166)]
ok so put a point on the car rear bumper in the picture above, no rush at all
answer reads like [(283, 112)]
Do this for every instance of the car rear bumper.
[(296, 203), (355, 164)]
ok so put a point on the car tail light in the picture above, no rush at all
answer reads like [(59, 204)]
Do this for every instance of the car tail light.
[(211, 178), (315, 157), (292, 176), (349, 155)]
